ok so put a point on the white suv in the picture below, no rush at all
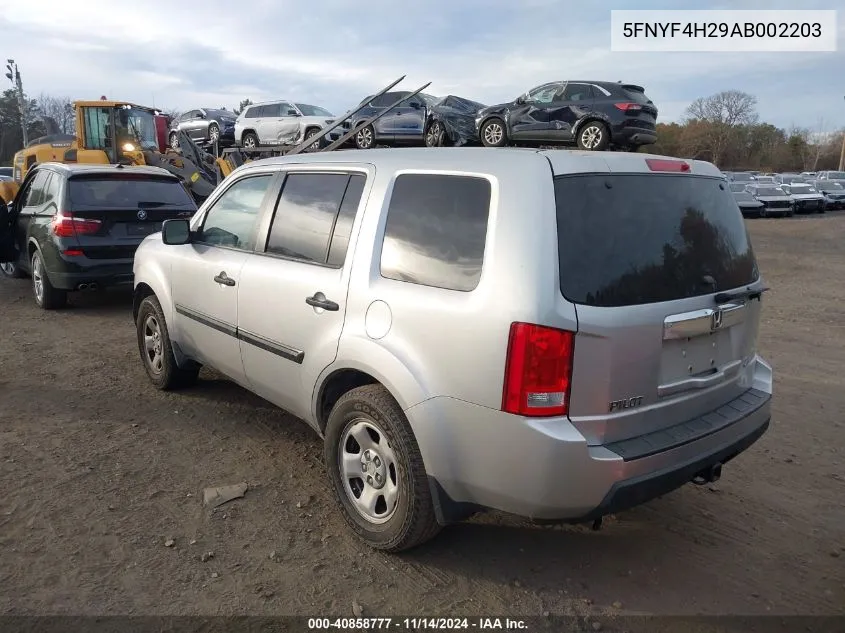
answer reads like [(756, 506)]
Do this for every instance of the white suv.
[(282, 123), (560, 335)]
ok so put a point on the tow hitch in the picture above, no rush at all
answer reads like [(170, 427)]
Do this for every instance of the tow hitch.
[(708, 475)]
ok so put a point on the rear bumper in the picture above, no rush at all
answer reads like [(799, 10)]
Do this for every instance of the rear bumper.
[(628, 135), (106, 273), (544, 469)]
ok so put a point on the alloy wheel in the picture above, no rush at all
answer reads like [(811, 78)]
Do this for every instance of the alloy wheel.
[(591, 136), (153, 345), (493, 133)]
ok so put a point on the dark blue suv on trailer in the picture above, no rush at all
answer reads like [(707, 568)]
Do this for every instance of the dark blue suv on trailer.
[(594, 115), (403, 125)]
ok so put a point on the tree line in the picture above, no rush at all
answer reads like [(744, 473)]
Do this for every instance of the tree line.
[(723, 128)]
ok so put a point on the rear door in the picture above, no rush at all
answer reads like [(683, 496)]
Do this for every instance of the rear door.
[(287, 335), (569, 105), (122, 208), (642, 256)]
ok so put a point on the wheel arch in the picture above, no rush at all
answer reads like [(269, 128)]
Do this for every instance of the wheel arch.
[(246, 131), (591, 118)]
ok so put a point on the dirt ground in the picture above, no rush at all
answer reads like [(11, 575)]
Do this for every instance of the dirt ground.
[(99, 470)]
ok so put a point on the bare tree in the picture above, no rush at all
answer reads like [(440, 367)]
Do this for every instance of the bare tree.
[(58, 110), (725, 114), (244, 103)]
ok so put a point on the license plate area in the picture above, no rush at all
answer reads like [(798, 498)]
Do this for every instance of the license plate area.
[(138, 229), (695, 357)]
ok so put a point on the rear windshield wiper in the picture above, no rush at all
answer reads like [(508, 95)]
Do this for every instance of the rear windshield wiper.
[(748, 293)]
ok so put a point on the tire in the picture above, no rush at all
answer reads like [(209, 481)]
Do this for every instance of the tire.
[(213, 133), (435, 136), (249, 140), (365, 138), (593, 136), (157, 351), (174, 140), (494, 133), (371, 413), (46, 296), (311, 134), (11, 270)]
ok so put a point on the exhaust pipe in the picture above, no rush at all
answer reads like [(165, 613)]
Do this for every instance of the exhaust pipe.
[(93, 286), (708, 475), (82, 287)]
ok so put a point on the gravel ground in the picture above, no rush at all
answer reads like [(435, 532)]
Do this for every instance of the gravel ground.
[(101, 472)]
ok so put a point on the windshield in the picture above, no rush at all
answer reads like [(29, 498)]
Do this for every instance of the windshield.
[(769, 191), (310, 110), (828, 185), (836, 175), (791, 178), (676, 231), (767, 180), (737, 187), (138, 125), (801, 189), (741, 177), (743, 196), (429, 99), (131, 191)]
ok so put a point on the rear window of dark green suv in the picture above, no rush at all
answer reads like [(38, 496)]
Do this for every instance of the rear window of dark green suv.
[(630, 239)]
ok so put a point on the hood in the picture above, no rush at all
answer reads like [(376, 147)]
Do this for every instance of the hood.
[(774, 198), (806, 196), (496, 109)]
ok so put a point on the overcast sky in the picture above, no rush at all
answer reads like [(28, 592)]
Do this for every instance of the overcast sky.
[(332, 53)]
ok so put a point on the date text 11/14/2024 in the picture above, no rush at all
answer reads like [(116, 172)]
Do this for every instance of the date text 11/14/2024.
[(417, 624)]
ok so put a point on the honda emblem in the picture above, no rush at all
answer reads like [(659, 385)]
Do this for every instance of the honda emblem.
[(716, 323), (142, 215)]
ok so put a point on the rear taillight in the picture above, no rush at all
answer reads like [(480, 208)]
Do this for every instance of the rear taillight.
[(65, 225), (662, 164), (538, 370), (629, 107)]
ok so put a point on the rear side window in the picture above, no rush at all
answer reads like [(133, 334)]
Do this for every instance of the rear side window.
[(636, 239), (314, 216), (128, 192), (637, 96), (436, 230)]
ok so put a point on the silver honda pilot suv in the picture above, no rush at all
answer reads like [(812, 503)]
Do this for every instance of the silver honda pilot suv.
[(556, 334)]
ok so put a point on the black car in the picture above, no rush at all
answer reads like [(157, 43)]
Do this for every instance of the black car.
[(595, 115), (748, 204), (204, 126), (451, 121), (76, 227), (402, 125)]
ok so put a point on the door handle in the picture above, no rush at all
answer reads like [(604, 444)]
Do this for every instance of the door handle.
[(319, 301), (224, 279)]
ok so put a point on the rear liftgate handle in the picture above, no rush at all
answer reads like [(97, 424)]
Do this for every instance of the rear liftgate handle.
[(223, 278), (319, 301)]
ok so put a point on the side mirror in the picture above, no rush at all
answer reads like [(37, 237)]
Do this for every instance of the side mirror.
[(199, 115), (175, 232), (415, 105), (520, 100), (293, 113)]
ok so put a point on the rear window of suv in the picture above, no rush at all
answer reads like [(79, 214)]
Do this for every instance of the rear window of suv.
[(122, 192), (629, 239)]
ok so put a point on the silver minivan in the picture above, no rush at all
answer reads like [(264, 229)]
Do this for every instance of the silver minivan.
[(556, 334)]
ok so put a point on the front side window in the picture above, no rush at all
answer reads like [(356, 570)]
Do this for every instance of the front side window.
[(436, 230), (545, 93), (233, 219), (314, 216), (35, 195)]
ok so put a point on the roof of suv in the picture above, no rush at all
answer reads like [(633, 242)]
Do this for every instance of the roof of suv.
[(77, 168), (478, 159)]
